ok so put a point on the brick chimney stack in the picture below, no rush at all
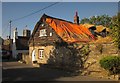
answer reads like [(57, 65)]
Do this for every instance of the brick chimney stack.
[(76, 18)]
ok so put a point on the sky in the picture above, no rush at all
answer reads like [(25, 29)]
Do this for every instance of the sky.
[(0, 19), (62, 10)]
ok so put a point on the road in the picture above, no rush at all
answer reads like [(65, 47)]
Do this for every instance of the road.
[(15, 71)]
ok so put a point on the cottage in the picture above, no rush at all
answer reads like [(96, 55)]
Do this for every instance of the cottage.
[(91, 27), (20, 44), (101, 31), (49, 30)]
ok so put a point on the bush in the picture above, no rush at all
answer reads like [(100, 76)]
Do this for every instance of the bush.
[(111, 63), (116, 30)]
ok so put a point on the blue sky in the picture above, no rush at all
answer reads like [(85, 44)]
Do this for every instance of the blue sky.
[(63, 10)]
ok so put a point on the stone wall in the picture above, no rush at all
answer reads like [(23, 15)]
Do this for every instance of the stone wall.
[(92, 66), (47, 50)]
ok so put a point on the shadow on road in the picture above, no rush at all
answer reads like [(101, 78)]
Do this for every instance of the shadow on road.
[(33, 74), (9, 60), (14, 71)]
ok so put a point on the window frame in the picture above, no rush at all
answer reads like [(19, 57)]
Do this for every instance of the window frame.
[(41, 51), (42, 33)]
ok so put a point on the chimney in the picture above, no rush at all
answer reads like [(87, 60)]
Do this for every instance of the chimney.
[(15, 35), (26, 32), (76, 18)]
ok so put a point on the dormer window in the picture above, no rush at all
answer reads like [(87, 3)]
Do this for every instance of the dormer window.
[(42, 33)]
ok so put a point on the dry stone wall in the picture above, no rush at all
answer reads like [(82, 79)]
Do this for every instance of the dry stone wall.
[(92, 66)]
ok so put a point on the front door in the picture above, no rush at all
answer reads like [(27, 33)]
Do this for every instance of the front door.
[(33, 56)]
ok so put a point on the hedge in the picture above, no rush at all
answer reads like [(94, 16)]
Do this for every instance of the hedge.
[(111, 63)]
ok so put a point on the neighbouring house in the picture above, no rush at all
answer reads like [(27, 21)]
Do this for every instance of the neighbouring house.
[(20, 44), (91, 27), (6, 48), (49, 30), (1, 43), (97, 30), (101, 31), (107, 31)]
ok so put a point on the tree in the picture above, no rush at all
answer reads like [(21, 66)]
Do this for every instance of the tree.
[(85, 20), (116, 30), (104, 20)]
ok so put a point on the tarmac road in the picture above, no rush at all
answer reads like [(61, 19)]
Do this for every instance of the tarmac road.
[(15, 71)]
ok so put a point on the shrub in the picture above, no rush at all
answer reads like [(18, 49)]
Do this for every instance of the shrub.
[(111, 63)]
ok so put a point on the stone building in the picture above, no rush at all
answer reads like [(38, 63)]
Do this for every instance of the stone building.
[(50, 30)]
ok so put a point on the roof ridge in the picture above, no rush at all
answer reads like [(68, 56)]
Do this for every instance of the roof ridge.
[(47, 16)]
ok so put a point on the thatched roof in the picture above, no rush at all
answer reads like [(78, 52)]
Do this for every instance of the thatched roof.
[(100, 28)]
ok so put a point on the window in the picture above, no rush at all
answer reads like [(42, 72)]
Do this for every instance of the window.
[(50, 33), (41, 53), (42, 24), (42, 32)]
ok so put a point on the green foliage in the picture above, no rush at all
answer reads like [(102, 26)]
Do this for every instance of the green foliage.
[(111, 63), (104, 20), (116, 30), (85, 20)]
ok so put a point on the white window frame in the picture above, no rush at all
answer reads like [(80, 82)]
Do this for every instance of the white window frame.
[(42, 33), (41, 53)]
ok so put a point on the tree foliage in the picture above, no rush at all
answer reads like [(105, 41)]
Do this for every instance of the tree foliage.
[(104, 20), (107, 21), (116, 30)]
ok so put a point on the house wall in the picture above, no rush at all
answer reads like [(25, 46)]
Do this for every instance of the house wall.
[(14, 53), (26, 58), (46, 53), (36, 40), (46, 42)]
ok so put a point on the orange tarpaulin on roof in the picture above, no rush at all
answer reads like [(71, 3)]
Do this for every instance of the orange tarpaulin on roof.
[(70, 32)]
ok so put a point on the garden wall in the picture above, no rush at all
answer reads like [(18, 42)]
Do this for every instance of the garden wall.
[(92, 66)]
